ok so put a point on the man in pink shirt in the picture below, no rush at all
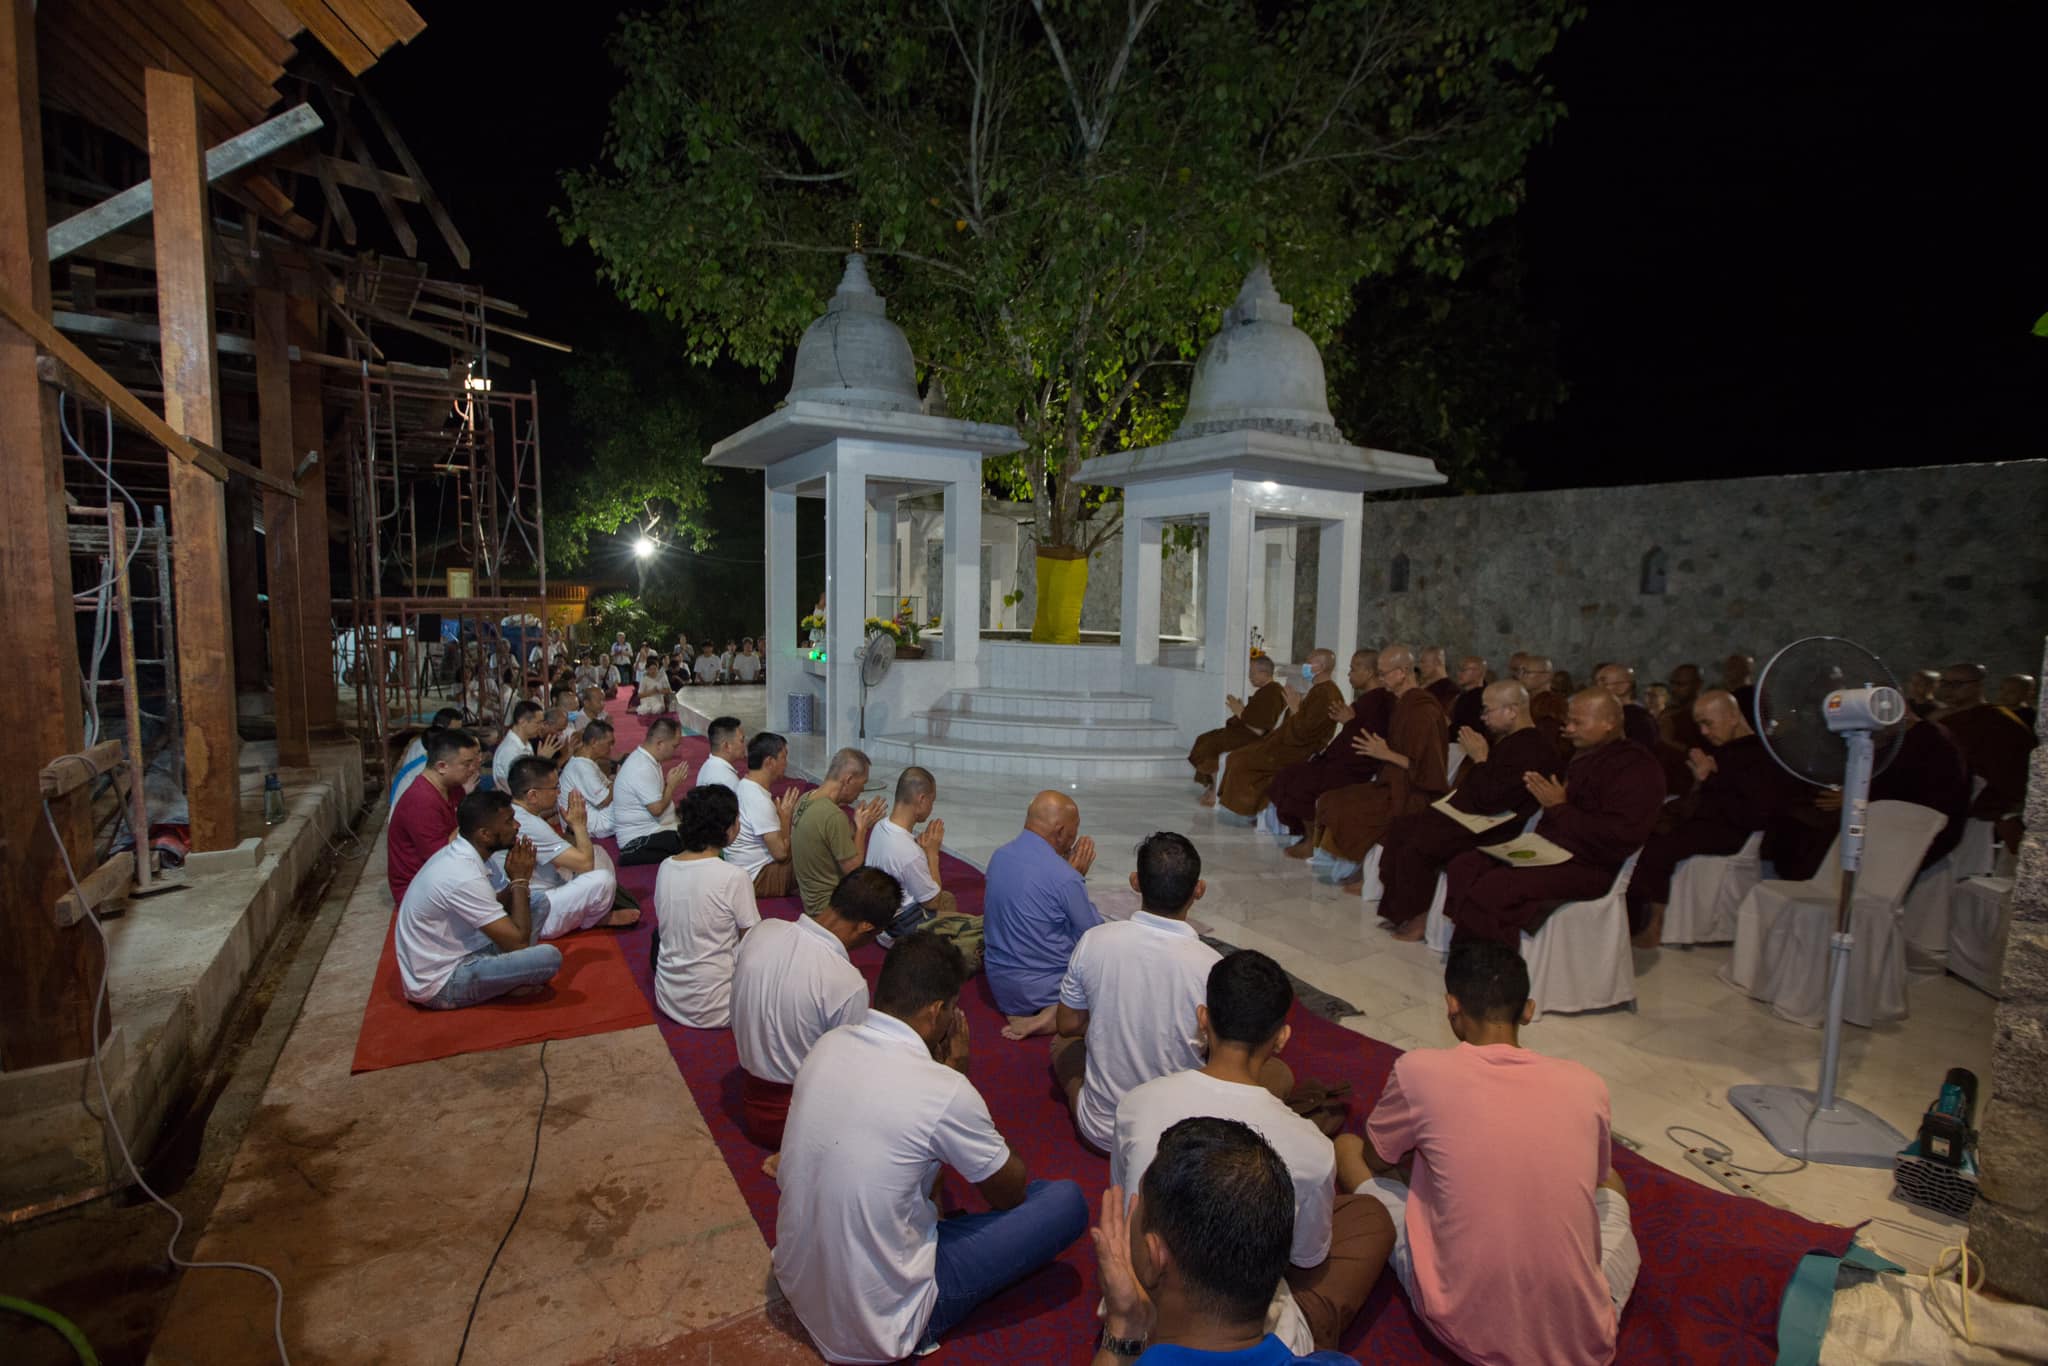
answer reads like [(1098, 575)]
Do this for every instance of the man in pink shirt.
[(1512, 1232)]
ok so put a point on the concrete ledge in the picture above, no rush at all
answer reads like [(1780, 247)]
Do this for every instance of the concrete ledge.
[(177, 962)]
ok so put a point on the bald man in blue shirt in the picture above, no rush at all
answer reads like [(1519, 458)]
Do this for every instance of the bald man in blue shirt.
[(1035, 910)]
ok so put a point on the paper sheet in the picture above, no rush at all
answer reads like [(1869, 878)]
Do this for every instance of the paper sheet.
[(1529, 851), (1478, 825)]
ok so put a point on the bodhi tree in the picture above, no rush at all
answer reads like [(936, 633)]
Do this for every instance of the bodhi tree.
[(1058, 196)]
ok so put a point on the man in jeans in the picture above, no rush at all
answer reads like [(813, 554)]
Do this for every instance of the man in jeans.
[(465, 934), (880, 1107)]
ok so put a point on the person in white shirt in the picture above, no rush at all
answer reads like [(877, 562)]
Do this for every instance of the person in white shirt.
[(526, 735), (1133, 989), (880, 1107), (652, 696), (793, 982), (585, 774), (1341, 1242), (746, 665), (574, 886), (912, 858), (464, 933), (622, 653), (644, 801), (413, 761), (728, 739), (610, 677), (707, 666), (702, 905), (762, 849)]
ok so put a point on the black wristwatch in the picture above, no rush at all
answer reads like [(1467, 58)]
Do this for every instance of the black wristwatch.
[(1123, 1347)]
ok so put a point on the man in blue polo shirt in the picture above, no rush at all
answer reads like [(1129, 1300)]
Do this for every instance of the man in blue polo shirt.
[(1035, 909)]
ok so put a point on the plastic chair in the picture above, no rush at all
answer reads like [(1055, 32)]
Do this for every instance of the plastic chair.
[(1706, 889), (1438, 929), (1782, 929), (1454, 760), (1580, 958), (1980, 919)]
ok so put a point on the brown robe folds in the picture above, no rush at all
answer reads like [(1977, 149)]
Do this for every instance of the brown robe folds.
[(1262, 711), (1352, 819), (1295, 791), (1612, 795), (1929, 770), (1416, 848), (1995, 744), (1445, 691), (1301, 732), (1735, 802)]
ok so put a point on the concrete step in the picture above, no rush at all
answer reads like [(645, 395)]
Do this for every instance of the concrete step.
[(1048, 704), (1040, 763), (1047, 733)]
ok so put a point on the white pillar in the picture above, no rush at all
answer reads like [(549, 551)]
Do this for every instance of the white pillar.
[(1337, 568), (882, 554), (1227, 624), (1139, 624), (784, 660), (961, 615), (846, 605)]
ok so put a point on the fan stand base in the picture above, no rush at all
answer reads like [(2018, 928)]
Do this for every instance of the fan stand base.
[(1846, 1136)]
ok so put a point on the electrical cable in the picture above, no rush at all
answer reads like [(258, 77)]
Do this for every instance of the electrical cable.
[(533, 1164), (1958, 1260), (113, 1123), (65, 1327), (1722, 1153)]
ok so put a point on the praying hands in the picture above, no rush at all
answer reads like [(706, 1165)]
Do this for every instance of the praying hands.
[(1376, 747), (1548, 791)]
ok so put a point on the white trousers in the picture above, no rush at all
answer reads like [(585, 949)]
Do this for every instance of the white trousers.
[(577, 904)]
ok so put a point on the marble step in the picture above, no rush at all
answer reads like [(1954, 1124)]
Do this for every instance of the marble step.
[(1048, 733), (1039, 763), (1047, 704)]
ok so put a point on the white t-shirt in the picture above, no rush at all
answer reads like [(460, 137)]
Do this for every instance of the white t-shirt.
[(636, 787), (856, 1234), (703, 906), (411, 764), (791, 984), (440, 922), (583, 775), (1140, 981), (749, 853), (511, 750), (1150, 1110), (895, 851), (653, 680), (718, 772), (707, 668), (547, 842), (747, 668)]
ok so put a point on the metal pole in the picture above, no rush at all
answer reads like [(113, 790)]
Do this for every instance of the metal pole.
[(1855, 806), (131, 699)]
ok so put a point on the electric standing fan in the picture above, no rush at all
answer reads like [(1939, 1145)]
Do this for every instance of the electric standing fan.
[(1829, 713), (875, 658)]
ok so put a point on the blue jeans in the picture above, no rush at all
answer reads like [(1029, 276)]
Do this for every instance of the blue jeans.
[(492, 972), (981, 1254)]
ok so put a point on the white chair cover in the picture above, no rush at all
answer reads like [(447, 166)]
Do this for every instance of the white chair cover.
[(1980, 918), (1706, 889), (1369, 870), (1580, 958), (1437, 930), (1452, 762), (1782, 929), (1926, 918)]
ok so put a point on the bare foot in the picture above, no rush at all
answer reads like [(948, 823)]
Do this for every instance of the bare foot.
[(1303, 850), (1024, 1026), (622, 917), (1411, 930), (771, 1165), (1208, 797), (1353, 887)]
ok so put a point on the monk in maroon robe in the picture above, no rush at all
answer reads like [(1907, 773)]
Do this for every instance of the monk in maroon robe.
[(1679, 727), (1995, 744), (1468, 710), (1600, 814), (1295, 791), (1251, 718), (1740, 784), (1491, 781), (1432, 675), (1928, 771), (1619, 680), (1413, 755), (1306, 728)]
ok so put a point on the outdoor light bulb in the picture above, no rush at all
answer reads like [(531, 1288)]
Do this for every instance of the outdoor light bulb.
[(643, 547)]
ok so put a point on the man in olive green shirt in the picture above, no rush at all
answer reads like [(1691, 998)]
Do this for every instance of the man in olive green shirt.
[(822, 847)]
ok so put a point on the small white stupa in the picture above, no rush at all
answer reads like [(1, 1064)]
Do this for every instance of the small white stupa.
[(854, 355)]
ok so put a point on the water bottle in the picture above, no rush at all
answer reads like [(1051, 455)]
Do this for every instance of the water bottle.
[(273, 799)]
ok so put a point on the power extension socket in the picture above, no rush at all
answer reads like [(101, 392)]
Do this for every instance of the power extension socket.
[(1737, 1183)]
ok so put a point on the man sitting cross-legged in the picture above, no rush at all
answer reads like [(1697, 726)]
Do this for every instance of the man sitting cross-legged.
[(1340, 1241), (728, 738), (528, 734), (913, 859), (1036, 909), (424, 819), (587, 772), (465, 933), (762, 849), (1128, 1005), (702, 905), (1187, 1270), (1512, 1233), (574, 886), (1492, 782), (792, 982), (1251, 719), (822, 847), (880, 1106), (644, 800)]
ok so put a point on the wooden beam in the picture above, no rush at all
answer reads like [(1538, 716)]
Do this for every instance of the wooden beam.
[(184, 281), (356, 176), (69, 772), (334, 35), (419, 178), (309, 437), (392, 213), (48, 975), (281, 529), (337, 205), (105, 888), (454, 341)]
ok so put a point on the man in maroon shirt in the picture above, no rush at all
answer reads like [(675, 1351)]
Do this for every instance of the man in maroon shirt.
[(424, 819)]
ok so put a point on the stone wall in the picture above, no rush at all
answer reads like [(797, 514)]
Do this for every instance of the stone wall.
[(2009, 1225), (1923, 566)]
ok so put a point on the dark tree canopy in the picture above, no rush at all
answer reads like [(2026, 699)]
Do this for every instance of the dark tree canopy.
[(1058, 198)]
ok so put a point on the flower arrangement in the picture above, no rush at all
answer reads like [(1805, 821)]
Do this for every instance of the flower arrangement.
[(814, 622), (884, 626), (906, 621)]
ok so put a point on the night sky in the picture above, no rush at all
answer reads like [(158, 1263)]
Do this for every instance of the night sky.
[(1768, 238)]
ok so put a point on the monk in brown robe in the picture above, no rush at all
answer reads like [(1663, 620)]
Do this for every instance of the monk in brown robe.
[(1294, 793), (1546, 707), (1251, 719), (1679, 727), (1740, 784), (1995, 744), (1306, 728), (1600, 814), (1432, 675), (2016, 693), (1619, 681), (1468, 710), (1412, 754), (1418, 847), (1928, 771)]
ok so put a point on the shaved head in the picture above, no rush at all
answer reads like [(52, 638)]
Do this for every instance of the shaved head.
[(1593, 718), (1506, 693), (1365, 669), (1720, 717), (1055, 818), (1507, 708), (1397, 669), (1471, 671), (1431, 662), (1262, 667), (1617, 679), (1323, 662), (2017, 690)]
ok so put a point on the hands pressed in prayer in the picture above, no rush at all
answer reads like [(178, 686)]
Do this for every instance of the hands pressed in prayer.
[(519, 860), (577, 812), (1127, 1310), (677, 776), (1082, 855), (1293, 696), (785, 807), (951, 1048), (933, 836), (1342, 712), (1376, 747), (1548, 791), (1702, 765), (1235, 703), (869, 814), (1475, 745)]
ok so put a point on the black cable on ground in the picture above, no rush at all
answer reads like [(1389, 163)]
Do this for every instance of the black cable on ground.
[(532, 1164)]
